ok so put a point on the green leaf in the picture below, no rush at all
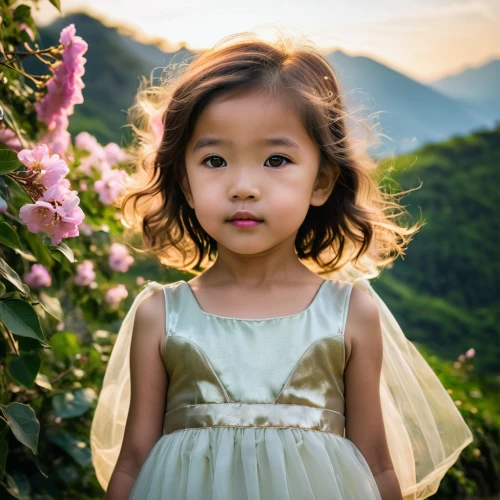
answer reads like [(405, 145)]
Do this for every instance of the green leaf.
[(56, 4), (64, 344), (23, 423), (22, 13), (73, 403), (24, 368), (39, 250), (78, 450), (43, 381), (29, 345), (8, 161), (18, 485), (10, 275), (52, 306), (9, 237), (21, 319), (64, 249)]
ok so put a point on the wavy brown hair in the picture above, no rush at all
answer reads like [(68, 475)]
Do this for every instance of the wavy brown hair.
[(358, 219)]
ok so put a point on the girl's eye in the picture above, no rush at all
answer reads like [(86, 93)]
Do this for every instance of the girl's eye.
[(279, 158), (219, 160)]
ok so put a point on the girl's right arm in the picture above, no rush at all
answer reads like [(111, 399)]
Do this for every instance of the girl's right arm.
[(148, 379)]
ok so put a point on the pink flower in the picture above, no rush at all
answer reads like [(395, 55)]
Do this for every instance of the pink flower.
[(64, 90), (37, 277), (87, 164), (9, 138), (113, 153), (25, 27), (101, 158), (457, 364), (89, 143), (85, 273), (115, 295), (470, 353), (58, 138), (139, 280), (51, 168), (119, 258), (110, 185), (74, 48), (461, 358), (56, 214)]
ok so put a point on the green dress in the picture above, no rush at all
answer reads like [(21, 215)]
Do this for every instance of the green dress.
[(255, 407)]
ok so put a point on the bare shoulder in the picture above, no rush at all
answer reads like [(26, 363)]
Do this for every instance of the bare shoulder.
[(148, 386), (362, 322), (150, 318)]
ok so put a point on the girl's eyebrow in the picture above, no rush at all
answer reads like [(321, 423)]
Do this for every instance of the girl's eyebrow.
[(274, 141)]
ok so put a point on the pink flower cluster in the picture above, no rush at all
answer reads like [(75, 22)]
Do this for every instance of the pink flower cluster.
[(115, 295), (56, 212), (85, 273), (110, 185), (37, 277), (112, 180), (100, 157), (64, 90), (119, 258)]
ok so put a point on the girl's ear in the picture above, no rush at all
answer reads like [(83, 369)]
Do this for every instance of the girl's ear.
[(325, 180), (186, 189)]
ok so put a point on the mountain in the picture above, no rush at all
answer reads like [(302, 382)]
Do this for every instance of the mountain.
[(476, 86), (409, 113), (113, 69), (412, 113)]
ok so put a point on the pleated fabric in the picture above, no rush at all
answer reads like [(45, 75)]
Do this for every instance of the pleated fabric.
[(229, 463)]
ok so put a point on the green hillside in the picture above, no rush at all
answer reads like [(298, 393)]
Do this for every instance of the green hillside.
[(445, 293)]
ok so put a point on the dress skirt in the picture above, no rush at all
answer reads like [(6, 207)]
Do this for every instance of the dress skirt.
[(254, 463)]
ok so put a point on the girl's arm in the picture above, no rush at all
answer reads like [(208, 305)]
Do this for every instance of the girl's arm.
[(148, 379), (364, 421)]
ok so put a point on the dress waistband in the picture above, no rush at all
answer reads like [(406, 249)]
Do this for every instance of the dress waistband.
[(254, 415)]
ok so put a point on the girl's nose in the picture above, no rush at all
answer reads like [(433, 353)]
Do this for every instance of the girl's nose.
[(244, 184)]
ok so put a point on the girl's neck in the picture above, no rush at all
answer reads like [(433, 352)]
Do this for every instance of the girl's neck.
[(257, 270)]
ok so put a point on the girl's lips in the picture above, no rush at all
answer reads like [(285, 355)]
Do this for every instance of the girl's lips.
[(245, 223)]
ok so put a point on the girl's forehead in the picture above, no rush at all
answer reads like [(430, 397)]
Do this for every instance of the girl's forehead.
[(253, 103), (255, 114)]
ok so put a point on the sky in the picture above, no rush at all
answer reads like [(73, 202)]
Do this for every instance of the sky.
[(424, 39)]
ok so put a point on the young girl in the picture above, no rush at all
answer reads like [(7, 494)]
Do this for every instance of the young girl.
[(277, 372)]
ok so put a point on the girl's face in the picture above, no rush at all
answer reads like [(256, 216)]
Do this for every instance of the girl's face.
[(251, 153)]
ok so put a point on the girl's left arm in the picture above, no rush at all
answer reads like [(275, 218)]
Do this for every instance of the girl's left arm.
[(363, 411)]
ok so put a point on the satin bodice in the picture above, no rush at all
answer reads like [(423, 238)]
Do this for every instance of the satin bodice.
[(274, 372)]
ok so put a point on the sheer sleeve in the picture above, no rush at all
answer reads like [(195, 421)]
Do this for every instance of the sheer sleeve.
[(110, 417), (425, 431)]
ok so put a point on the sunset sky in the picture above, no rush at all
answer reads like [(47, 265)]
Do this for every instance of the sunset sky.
[(425, 39)]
